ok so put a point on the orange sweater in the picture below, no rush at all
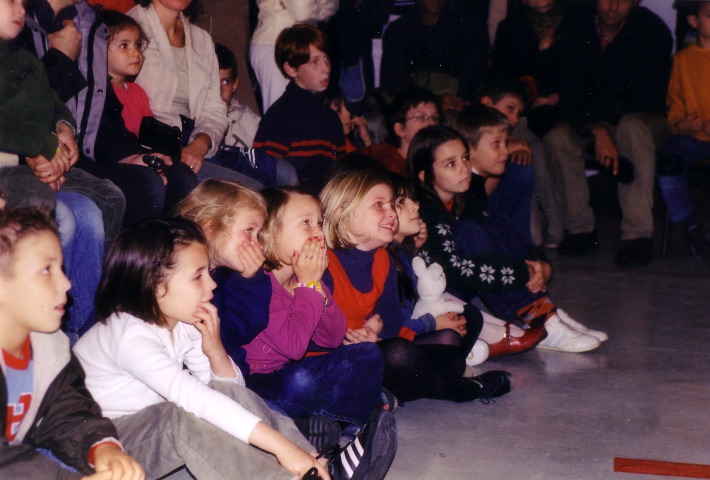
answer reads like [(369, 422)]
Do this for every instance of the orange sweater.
[(689, 90)]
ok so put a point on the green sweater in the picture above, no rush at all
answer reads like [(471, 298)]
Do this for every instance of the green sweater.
[(29, 108)]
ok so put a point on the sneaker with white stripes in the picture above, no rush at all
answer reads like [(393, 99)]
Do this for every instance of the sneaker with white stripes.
[(563, 338), (370, 455)]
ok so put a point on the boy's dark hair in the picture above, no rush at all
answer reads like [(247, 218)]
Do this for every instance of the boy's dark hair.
[(138, 262), (226, 59), (293, 46), (355, 162), (497, 90), (690, 7), (276, 199), (402, 104), (117, 22), (421, 157), (15, 225), (472, 122)]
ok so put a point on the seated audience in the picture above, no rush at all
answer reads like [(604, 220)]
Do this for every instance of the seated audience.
[(298, 127), (689, 121), (615, 66)]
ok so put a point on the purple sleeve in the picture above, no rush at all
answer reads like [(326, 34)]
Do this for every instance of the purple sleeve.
[(330, 331)]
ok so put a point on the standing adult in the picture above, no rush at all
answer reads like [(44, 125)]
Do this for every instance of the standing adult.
[(614, 72)]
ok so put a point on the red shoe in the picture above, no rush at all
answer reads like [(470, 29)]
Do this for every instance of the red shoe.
[(510, 345)]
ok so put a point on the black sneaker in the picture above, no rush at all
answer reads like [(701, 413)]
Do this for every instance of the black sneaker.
[(370, 455), (493, 384), (321, 432), (578, 243), (635, 253), (698, 241), (389, 401)]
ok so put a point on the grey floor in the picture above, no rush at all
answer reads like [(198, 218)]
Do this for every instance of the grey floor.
[(643, 394)]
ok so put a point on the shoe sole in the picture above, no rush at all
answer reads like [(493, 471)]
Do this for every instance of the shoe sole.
[(571, 350), (381, 448), (323, 433)]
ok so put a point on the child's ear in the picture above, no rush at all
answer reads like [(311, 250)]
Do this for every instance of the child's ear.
[(399, 129), (235, 86), (421, 176), (487, 101), (692, 21), (290, 71)]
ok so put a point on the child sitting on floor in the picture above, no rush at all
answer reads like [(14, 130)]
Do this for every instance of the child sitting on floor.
[(44, 402)]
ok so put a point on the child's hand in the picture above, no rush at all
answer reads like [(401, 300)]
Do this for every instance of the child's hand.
[(520, 152), (310, 263), (374, 323), (67, 142), (298, 462), (119, 465), (208, 325), (551, 100), (251, 257), (540, 274), (690, 125), (361, 124), (451, 320), (360, 335), (422, 236)]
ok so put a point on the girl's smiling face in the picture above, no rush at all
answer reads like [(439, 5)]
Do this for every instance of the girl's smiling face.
[(408, 217), (301, 219), (374, 219), (187, 286), (452, 170)]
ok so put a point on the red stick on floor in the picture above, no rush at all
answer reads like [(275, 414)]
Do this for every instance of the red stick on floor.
[(655, 467)]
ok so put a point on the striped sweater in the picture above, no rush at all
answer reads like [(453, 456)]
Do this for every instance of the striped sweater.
[(300, 129)]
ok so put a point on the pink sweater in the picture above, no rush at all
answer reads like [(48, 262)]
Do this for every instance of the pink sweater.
[(293, 322)]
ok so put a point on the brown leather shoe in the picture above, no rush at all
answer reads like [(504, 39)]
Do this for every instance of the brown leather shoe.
[(510, 345)]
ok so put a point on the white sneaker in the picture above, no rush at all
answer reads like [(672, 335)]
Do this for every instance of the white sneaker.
[(575, 325), (562, 338), (478, 354)]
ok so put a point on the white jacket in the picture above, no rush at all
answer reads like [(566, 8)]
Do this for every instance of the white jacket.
[(159, 76), (131, 364), (275, 15)]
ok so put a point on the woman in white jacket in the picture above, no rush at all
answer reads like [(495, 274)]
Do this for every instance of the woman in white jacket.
[(274, 16), (181, 77)]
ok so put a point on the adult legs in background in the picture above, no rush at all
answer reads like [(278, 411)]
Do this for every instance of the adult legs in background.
[(107, 196), (271, 81), (212, 170), (81, 232), (344, 384)]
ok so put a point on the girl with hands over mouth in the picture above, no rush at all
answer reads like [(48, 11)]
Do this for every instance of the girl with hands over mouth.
[(304, 319)]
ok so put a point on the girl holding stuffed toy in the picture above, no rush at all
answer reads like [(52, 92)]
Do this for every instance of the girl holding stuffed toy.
[(360, 220)]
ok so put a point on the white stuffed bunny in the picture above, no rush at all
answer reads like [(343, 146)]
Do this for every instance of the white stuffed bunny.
[(431, 284)]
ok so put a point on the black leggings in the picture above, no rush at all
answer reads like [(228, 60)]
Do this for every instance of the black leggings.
[(432, 365)]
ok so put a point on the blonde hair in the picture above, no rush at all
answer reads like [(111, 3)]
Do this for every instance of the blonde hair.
[(214, 204), (340, 197)]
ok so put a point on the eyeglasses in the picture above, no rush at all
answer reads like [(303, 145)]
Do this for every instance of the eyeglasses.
[(422, 117)]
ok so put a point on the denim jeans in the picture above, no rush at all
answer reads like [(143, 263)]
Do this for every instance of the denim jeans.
[(81, 232), (162, 437), (674, 188), (344, 384), (513, 197), (107, 196)]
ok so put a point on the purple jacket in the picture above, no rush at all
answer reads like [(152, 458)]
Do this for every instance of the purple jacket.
[(294, 321)]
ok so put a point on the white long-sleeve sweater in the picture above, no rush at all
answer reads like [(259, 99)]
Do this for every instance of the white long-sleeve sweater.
[(131, 364)]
